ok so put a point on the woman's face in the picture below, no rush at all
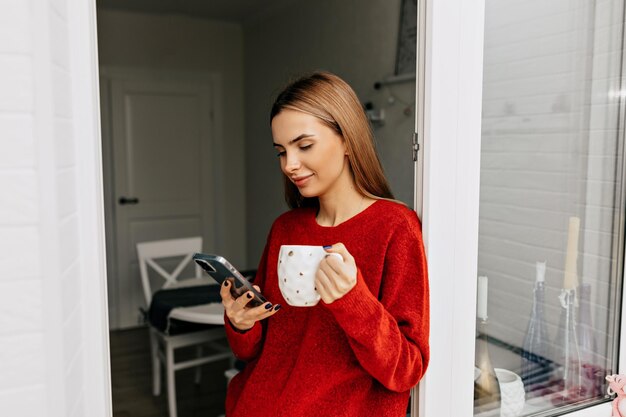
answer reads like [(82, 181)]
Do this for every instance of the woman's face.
[(312, 155)]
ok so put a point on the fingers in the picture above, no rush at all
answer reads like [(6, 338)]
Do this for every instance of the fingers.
[(263, 311), (341, 249), (331, 262), (227, 297), (236, 292), (330, 267), (231, 297), (336, 269), (238, 309), (244, 300), (326, 287), (245, 318), (229, 283), (322, 282), (335, 278)]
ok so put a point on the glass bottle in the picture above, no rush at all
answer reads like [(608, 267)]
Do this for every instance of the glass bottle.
[(567, 373), (592, 375), (486, 386), (536, 348), (566, 376)]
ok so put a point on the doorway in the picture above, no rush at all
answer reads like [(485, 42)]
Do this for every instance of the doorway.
[(249, 50)]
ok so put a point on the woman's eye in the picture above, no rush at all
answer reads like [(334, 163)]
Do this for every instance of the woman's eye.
[(305, 147), (279, 154)]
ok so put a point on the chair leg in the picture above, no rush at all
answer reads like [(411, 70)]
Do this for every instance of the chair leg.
[(171, 382), (198, 368), (156, 364)]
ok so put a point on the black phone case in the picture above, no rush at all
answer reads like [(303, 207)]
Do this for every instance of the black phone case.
[(220, 269)]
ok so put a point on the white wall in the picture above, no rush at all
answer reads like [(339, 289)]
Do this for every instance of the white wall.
[(158, 42), (355, 39), (549, 147), (50, 323)]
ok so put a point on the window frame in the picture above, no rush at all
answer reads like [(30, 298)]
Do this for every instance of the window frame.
[(452, 91)]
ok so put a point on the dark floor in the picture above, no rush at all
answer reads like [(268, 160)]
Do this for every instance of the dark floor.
[(131, 380)]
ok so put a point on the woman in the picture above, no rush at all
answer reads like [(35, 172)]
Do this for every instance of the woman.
[(359, 351)]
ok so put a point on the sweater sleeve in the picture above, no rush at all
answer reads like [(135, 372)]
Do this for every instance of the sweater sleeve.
[(247, 345), (389, 334)]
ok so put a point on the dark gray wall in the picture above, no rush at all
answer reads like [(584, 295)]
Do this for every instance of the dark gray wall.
[(354, 39)]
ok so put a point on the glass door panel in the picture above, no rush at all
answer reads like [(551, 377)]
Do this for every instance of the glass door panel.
[(551, 230)]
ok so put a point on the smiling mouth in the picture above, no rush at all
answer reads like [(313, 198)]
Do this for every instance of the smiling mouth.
[(301, 180)]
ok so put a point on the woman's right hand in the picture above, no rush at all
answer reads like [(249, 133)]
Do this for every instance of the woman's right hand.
[(237, 310)]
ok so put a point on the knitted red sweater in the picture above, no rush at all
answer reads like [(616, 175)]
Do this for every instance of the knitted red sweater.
[(358, 356)]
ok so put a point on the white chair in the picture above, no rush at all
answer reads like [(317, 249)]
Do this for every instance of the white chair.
[(164, 345)]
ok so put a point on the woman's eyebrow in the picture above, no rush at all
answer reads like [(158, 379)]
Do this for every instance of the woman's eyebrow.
[(302, 136)]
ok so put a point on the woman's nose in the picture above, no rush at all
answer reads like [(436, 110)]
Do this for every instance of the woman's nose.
[(292, 163)]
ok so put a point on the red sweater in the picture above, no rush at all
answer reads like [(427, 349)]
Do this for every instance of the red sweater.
[(358, 356)]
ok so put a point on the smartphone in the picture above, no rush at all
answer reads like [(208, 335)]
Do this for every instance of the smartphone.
[(220, 269)]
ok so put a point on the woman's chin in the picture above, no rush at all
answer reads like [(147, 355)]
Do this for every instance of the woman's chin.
[(308, 195), (307, 192)]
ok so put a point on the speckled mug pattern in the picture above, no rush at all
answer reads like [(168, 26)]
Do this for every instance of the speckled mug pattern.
[(297, 266)]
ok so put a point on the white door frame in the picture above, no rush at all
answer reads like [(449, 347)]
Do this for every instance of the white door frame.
[(451, 123), (83, 50)]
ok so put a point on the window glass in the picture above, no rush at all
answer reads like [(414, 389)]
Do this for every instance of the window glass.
[(550, 255)]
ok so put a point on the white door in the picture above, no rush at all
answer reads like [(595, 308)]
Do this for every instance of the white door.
[(162, 174)]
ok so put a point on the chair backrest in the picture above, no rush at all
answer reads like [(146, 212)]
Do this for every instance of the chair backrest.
[(147, 252)]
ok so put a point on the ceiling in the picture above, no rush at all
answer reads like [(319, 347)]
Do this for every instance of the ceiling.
[(238, 11)]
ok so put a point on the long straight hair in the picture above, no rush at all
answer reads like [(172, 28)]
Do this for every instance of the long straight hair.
[(330, 99)]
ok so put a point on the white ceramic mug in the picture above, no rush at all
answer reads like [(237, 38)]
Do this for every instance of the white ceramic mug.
[(297, 266), (512, 393)]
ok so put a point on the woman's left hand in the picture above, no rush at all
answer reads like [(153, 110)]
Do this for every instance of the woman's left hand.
[(335, 278)]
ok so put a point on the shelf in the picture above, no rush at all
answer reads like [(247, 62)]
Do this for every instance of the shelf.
[(395, 79)]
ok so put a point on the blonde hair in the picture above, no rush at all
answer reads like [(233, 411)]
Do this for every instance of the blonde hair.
[(330, 99)]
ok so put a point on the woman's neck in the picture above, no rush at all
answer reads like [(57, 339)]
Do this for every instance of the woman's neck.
[(339, 207)]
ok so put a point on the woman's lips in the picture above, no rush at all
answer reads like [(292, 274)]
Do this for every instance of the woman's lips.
[(301, 180)]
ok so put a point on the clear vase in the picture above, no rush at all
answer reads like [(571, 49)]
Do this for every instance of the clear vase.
[(536, 349), (486, 386), (567, 374), (592, 375)]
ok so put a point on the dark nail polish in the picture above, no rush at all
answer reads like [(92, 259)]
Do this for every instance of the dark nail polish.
[(277, 307), (328, 247), (268, 306), (249, 295), (226, 283)]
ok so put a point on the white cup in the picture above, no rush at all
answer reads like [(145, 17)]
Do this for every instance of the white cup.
[(512, 393), (297, 266)]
